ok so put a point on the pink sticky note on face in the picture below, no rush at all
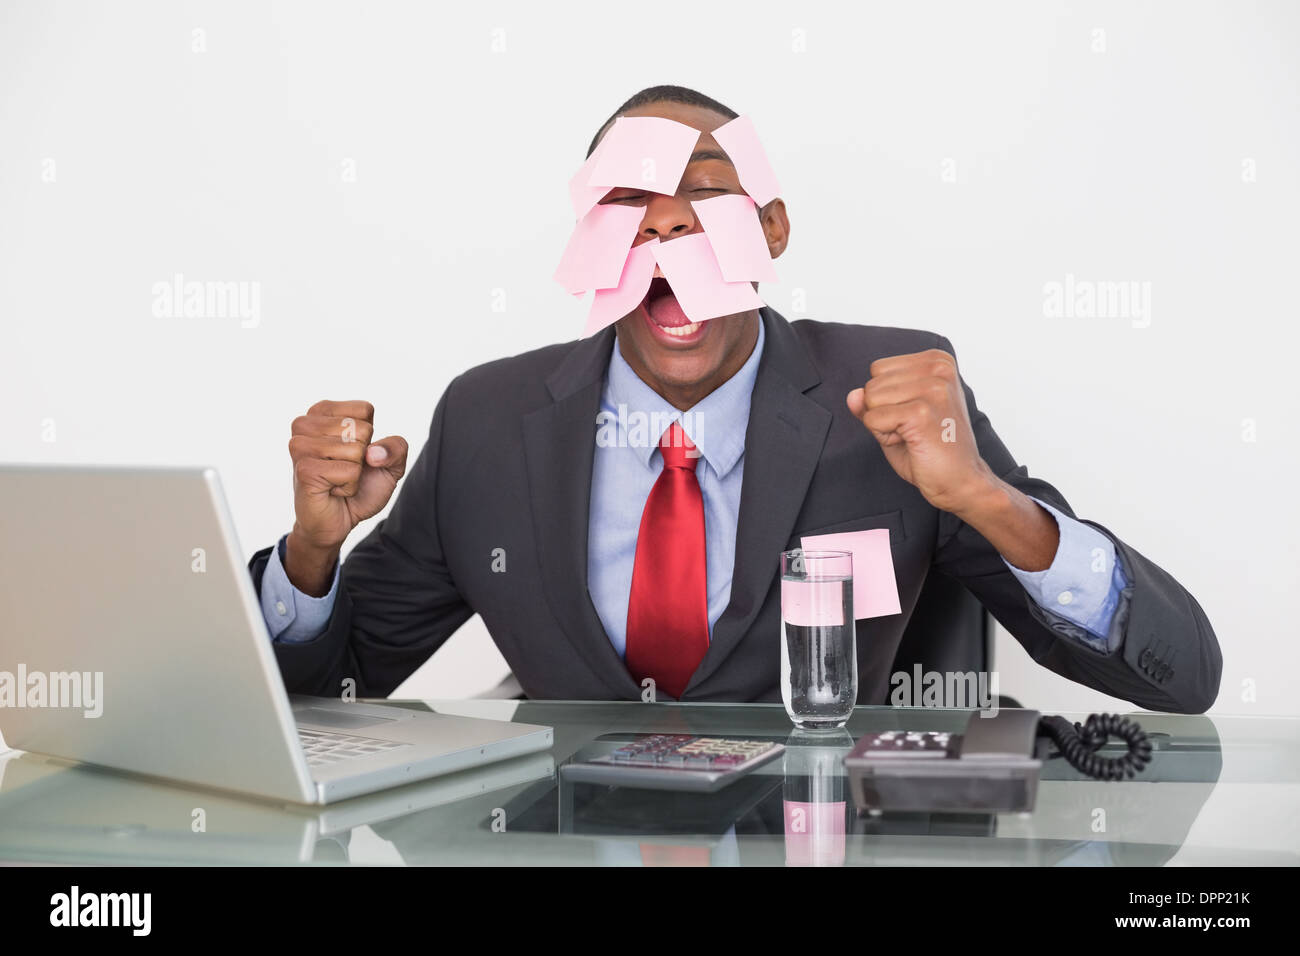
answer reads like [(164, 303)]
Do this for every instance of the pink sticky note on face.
[(693, 272), (598, 248), (582, 195), (610, 305), (740, 140), (875, 591), (731, 223), (644, 152), (812, 603)]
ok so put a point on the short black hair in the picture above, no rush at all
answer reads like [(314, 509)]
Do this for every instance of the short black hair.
[(663, 94)]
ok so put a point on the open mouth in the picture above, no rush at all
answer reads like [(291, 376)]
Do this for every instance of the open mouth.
[(664, 314)]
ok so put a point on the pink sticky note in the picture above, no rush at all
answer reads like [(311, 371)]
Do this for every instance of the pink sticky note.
[(598, 248), (582, 195), (812, 603), (814, 833), (692, 270), (610, 305), (740, 140), (644, 152), (731, 223), (875, 591)]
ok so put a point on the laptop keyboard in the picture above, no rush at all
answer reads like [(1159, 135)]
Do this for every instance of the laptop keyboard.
[(323, 747)]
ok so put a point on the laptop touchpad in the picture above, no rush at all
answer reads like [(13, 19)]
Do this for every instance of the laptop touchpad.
[(332, 718)]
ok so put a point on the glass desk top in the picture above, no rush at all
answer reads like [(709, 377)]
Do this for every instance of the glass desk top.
[(1220, 790)]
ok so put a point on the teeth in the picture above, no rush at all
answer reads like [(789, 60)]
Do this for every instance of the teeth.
[(683, 329)]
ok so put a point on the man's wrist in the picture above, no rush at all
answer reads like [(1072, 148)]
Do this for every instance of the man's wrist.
[(1024, 533), (986, 502), (309, 567)]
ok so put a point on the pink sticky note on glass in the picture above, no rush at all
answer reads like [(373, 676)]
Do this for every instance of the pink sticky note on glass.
[(814, 833), (812, 603), (598, 248), (610, 305), (731, 223), (740, 140), (875, 591), (693, 272), (644, 152)]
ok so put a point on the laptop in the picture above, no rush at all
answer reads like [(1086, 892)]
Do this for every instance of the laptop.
[(131, 638)]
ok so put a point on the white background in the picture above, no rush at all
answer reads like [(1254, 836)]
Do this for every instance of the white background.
[(941, 162)]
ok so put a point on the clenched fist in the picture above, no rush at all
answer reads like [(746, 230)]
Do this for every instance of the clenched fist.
[(915, 407), (340, 478)]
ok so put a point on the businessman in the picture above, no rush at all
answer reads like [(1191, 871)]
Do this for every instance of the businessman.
[(597, 565)]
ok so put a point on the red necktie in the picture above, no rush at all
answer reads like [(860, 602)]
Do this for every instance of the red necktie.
[(668, 609)]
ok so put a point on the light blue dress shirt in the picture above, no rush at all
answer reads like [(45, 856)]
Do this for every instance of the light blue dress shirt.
[(1082, 585), (291, 615), (624, 471)]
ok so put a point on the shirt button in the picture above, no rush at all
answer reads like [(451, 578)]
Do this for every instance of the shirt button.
[(280, 609), (1065, 597)]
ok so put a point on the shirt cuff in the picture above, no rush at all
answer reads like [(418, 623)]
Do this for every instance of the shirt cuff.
[(1084, 583), (292, 616)]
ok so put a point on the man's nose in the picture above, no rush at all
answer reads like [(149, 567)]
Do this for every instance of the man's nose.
[(667, 217)]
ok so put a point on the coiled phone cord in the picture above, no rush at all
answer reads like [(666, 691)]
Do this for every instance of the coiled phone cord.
[(1078, 744)]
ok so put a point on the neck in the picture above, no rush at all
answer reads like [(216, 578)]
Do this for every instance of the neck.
[(684, 396)]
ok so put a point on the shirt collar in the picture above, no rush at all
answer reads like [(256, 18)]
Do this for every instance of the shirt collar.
[(716, 424)]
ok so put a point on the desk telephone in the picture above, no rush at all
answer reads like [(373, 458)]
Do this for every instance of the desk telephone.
[(991, 768)]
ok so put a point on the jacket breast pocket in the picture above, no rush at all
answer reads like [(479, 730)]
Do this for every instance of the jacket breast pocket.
[(893, 520)]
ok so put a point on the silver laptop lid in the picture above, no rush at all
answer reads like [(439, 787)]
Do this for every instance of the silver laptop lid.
[(130, 634)]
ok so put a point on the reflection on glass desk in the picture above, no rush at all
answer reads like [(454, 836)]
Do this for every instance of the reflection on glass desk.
[(1219, 791)]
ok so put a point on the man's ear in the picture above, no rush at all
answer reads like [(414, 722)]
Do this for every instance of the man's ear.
[(776, 226)]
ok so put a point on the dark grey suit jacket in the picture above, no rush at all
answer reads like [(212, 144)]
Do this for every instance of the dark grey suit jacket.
[(508, 466)]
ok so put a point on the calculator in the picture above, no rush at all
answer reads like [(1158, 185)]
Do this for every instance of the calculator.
[(669, 761)]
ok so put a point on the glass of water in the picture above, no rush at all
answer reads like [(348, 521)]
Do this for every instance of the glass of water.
[(819, 651)]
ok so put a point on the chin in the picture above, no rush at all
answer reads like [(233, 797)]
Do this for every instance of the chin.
[(683, 371)]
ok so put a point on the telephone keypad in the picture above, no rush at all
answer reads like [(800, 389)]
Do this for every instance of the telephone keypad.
[(911, 744)]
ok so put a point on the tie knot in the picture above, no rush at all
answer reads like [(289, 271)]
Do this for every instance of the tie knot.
[(678, 450)]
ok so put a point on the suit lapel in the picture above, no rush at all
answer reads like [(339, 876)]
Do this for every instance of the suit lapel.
[(783, 444), (559, 445)]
